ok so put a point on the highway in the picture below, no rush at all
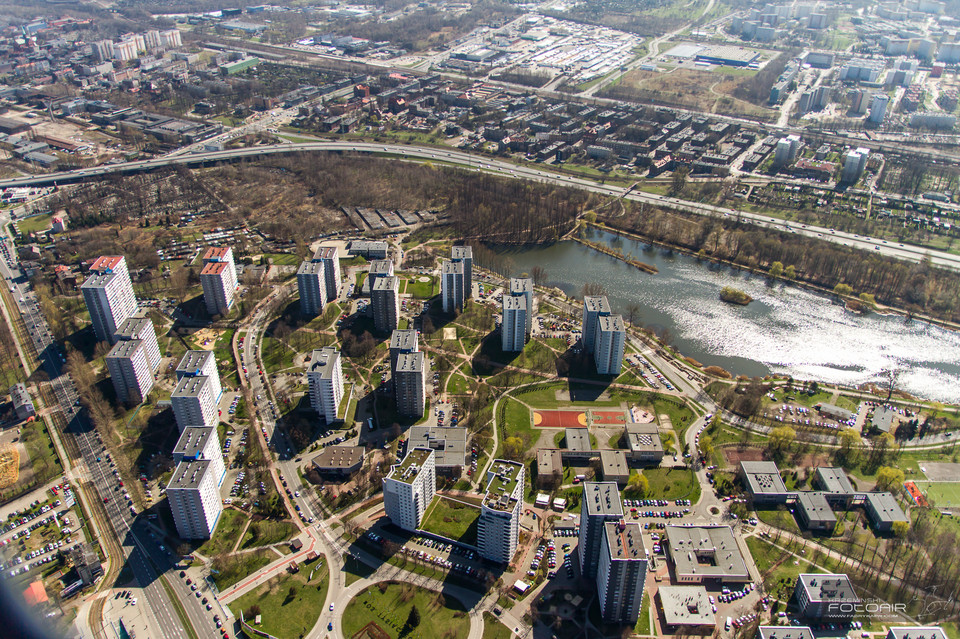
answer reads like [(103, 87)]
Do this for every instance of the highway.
[(507, 169)]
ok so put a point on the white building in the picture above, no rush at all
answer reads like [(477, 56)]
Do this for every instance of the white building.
[(130, 371), (452, 286), (854, 163), (219, 279), (328, 256), (600, 503), (194, 404), (513, 331), (194, 498), (311, 283), (152, 39), (878, 108), (125, 50), (141, 328), (325, 377), (523, 287), (410, 383), (621, 572), (170, 39), (196, 363), (385, 300), (409, 487), (464, 254), (108, 293), (594, 306), (933, 120), (786, 151), (610, 342), (103, 49), (499, 524), (378, 269), (201, 443)]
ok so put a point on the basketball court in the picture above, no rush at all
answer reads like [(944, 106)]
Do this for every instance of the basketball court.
[(608, 417), (559, 419)]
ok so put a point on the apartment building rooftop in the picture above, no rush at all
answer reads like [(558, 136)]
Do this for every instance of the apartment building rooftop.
[(325, 253), (511, 303), (602, 498), (132, 326), (214, 268), (410, 362), (503, 481), (625, 540), (216, 253), (408, 469), (610, 323), (449, 267), (387, 283), (403, 339), (99, 279), (596, 304), (323, 361), (384, 267), (310, 268), (192, 441), (520, 285), (461, 252), (189, 386), (193, 361), (189, 474), (105, 263), (125, 348)]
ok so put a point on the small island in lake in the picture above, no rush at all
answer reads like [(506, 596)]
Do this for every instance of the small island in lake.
[(732, 295)]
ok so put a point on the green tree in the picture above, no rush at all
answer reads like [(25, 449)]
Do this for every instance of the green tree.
[(900, 528), (868, 299), (638, 484), (888, 478), (513, 447), (590, 216), (413, 619), (706, 444), (781, 440), (850, 443), (776, 269), (790, 272), (843, 290)]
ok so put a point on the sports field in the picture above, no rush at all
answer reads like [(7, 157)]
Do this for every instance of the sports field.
[(608, 417), (559, 419), (943, 494)]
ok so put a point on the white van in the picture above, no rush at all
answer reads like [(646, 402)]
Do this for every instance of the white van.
[(726, 626)]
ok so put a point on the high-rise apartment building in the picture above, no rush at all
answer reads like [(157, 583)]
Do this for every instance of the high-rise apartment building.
[(311, 284), (464, 254), (194, 497), (452, 286), (599, 504), (610, 343), (378, 269), (141, 328), (409, 487), (621, 572), (513, 325), (401, 342), (410, 383), (499, 524), (108, 293), (325, 377), (878, 108), (594, 306), (329, 257), (523, 287), (130, 371), (218, 279), (193, 403), (385, 300), (201, 443), (196, 363)]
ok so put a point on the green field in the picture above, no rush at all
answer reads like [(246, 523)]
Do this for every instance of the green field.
[(452, 519), (233, 568), (940, 493), (225, 537), (289, 604), (389, 610), (266, 532), (493, 629)]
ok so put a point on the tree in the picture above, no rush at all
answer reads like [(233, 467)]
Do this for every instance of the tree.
[(881, 447), (592, 289), (900, 529), (850, 443), (888, 478), (781, 439), (706, 444), (632, 313), (776, 269), (679, 180), (843, 290), (539, 275), (638, 484), (790, 272), (513, 447), (413, 619)]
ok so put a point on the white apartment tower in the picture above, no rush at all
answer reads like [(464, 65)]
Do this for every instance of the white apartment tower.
[(523, 287), (141, 328), (409, 487), (196, 363), (201, 443), (878, 108), (311, 283), (108, 293), (219, 279), (194, 404), (599, 504), (170, 38), (452, 286), (410, 383), (464, 254), (499, 524), (328, 256), (130, 371), (378, 269), (194, 498), (513, 327), (594, 306), (621, 572), (385, 300), (610, 341), (325, 377)]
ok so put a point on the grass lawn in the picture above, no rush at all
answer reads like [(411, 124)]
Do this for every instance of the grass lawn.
[(457, 384), (940, 493), (672, 483), (266, 532), (493, 629), (643, 621), (276, 355), (283, 259), (782, 519), (766, 556), (452, 519), (422, 290), (285, 616), (235, 567), (34, 223), (389, 610), (228, 530)]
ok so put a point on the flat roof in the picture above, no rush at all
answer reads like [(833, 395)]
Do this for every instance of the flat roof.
[(614, 463), (214, 268), (192, 361), (503, 476), (596, 304), (189, 474), (193, 440), (190, 386), (602, 498), (549, 461), (449, 443), (828, 588), (450, 267), (784, 632), (521, 285), (815, 507), (624, 540), (216, 253), (404, 339), (686, 605), (643, 437), (408, 469), (410, 362), (884, 418), (834, 480), (706, 552), (886, 507), (132, 326), (763, 477), (310, 268), (387, 283), (99, 279), (106, 263), (610, 323), (382, 266), (325, 253), (324, 361), (461, 252), (514, 303), (836, 411), (339, 457), (125, 349), (916, 632), (578, 439)]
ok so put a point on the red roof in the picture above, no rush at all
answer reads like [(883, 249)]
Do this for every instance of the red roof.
[(216, 253), (215, 268), (106, 263), (35, 594)]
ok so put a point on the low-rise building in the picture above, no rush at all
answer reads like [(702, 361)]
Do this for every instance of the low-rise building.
[(685, 606), (814, 512), (613, 466), (785, 632), (22, 404), (549, 468), (339, 461), (449, 444), (763, 482), (705, 553), (916, 632), (644, 443), (577, 446), (883, 511), (828, 598), (835, 485)]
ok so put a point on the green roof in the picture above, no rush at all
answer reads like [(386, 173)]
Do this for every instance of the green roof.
[(408, 469), (504, 481)]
